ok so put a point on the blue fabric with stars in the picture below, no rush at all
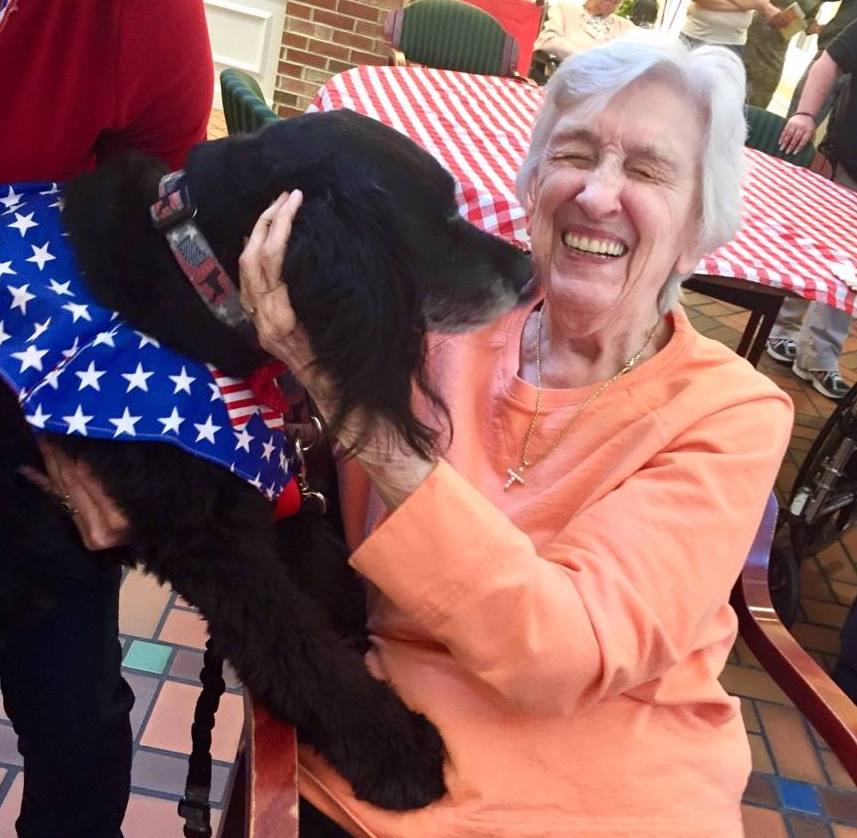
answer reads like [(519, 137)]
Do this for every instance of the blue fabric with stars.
[(79, 369)]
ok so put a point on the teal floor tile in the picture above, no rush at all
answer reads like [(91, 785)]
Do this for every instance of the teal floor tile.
[(147, 657)]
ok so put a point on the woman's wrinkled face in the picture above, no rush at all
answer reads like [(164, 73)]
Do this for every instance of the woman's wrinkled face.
[(616, 203)]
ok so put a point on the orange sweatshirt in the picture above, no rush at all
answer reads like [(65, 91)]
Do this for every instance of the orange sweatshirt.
[(566, 636)]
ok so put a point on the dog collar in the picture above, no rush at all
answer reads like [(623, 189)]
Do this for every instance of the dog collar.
[(173, 215)]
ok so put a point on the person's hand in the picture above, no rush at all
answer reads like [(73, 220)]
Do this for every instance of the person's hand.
[(796, 133), (100, 523), (813, 28), (265, 298)]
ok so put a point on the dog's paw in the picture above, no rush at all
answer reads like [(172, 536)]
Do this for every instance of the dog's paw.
[(404, 769)]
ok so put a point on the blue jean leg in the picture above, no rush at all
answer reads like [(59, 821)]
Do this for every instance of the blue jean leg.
[(65, 695)]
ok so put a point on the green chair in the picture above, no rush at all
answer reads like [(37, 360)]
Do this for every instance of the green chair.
[(763, 133), (244, 104), (451, 35)]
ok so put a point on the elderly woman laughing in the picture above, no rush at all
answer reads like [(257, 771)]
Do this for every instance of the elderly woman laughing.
[(552, 590)]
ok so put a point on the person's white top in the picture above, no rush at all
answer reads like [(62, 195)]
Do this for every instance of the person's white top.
[(723, 28)]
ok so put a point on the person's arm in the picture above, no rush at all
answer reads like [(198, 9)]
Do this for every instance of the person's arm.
[(628, 588), (164, 80), (800, 127), (553, 37)]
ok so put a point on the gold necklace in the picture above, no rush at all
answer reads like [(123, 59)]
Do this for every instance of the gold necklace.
[(516, 475)]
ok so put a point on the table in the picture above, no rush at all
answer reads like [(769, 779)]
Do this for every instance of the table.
[(796, 226)]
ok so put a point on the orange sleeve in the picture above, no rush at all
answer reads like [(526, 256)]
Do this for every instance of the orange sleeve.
[(632, 584)]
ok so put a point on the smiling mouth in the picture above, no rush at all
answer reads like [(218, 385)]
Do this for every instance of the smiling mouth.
[(593, 246)]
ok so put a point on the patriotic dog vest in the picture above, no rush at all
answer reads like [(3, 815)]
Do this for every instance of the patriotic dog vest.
[(78, 368)]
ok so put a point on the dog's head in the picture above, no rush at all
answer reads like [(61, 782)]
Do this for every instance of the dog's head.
[(378, 254)]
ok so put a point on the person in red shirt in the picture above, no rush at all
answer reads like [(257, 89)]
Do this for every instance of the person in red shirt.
[(83, 81)]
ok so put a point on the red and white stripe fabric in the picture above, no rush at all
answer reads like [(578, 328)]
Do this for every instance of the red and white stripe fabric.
[(795, 229), (241, 403)]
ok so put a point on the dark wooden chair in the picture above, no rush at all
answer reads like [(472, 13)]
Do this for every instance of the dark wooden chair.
[(263, 800), (811, 689)]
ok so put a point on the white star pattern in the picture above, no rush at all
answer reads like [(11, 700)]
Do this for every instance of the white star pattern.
[(22, 223), (182, 381), (206, 430), (41, 255), (145, 340), (77, 422), (123, 383), (60, 288), (268, 449), (72, 350), (105, 338), (54, 190), (38, 419), (172, 422), (89, 377), (125, 423), (12, 198), (30, 358), (39, 329), (137, 379), (78, 311), (243, 440), (20, 297)]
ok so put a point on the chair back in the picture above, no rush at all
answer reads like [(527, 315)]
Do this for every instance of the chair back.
[(763, 133), (522, 19), (452, 35), (244, 104), (812, 690)]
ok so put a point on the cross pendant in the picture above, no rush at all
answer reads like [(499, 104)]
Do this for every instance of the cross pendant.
[(514, 477)]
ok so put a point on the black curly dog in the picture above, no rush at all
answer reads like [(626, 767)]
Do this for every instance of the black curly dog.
[(378, 255)]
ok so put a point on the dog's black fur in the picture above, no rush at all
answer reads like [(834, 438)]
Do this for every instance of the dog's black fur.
[(377, 255)]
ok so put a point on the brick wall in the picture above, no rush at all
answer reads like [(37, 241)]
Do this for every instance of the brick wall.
[(325, 37)]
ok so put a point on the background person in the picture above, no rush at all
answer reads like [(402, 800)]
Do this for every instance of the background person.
[(570, 28), (810, 335), (85, 80)]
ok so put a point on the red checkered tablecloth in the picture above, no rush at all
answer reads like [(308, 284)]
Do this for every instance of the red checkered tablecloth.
[(796, 228)]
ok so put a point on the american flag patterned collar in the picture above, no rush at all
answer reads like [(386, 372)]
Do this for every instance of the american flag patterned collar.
[(174, 214), (78, 368)]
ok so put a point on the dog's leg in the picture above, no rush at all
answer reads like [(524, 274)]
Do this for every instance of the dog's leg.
[(210, 535), (290, 659)]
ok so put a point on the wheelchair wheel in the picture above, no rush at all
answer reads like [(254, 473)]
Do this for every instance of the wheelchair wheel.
[(784, 584), (836, 443)]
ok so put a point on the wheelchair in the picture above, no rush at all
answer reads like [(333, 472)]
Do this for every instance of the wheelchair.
[(822, 505)]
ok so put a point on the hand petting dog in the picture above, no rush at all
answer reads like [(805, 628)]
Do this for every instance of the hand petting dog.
[(395, 469)]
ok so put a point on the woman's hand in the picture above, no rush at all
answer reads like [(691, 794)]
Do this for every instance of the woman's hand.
[(100, 523), (797, 132), (265, 297)]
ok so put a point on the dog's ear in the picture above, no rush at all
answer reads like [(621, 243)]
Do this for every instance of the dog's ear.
[(347, 268)]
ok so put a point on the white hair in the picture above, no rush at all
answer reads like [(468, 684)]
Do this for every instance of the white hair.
[(712, 77)]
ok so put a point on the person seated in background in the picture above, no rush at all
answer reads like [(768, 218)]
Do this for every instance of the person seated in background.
[(570, 28), (723, 23), (551, 588)]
